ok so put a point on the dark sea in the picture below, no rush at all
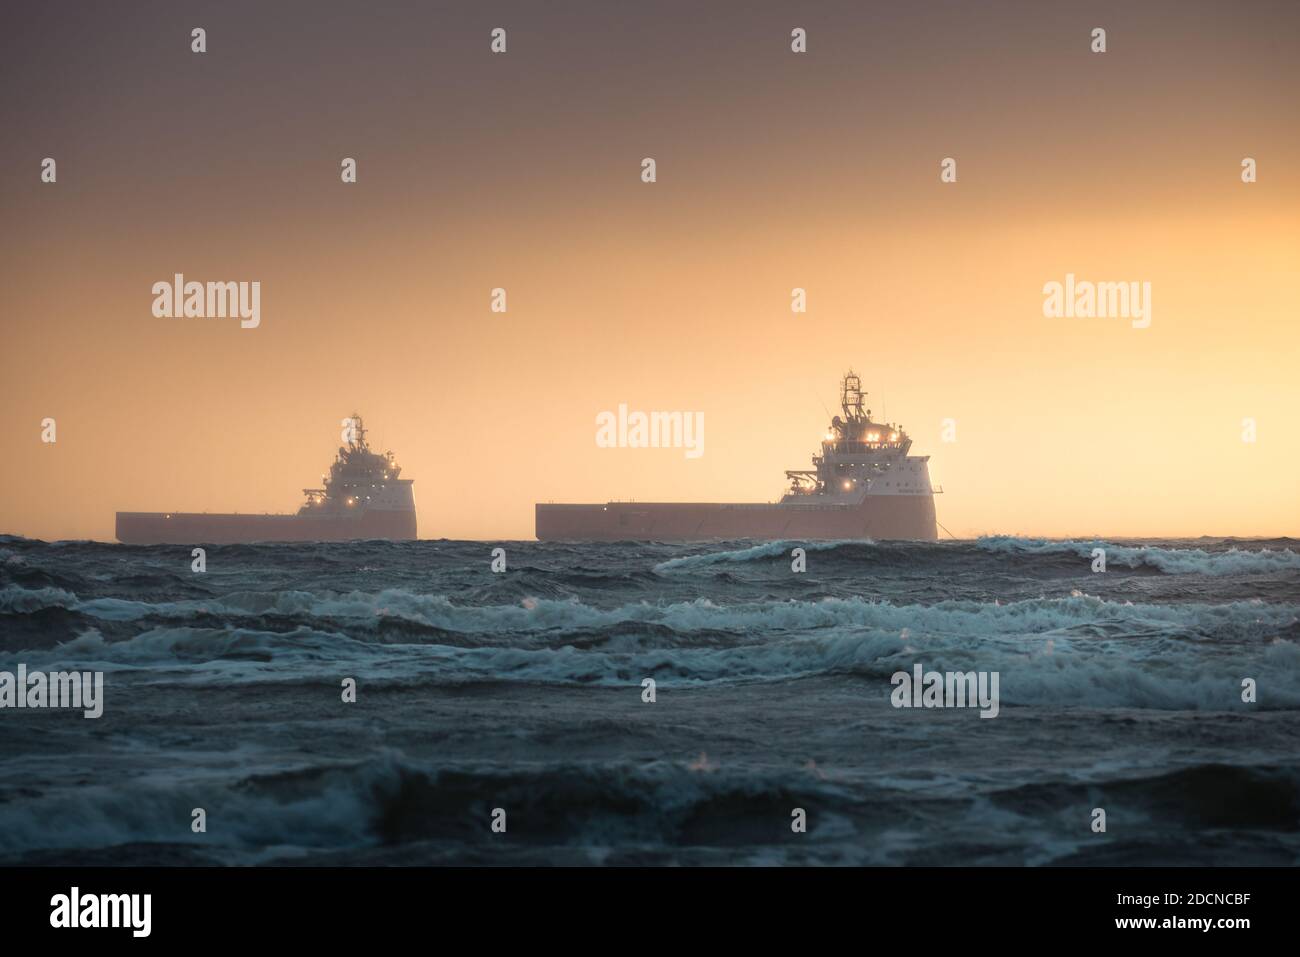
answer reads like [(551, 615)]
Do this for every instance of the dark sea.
[(523, 691)]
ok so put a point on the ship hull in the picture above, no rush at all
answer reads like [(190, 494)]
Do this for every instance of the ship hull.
[(876, 517), (201, 528)]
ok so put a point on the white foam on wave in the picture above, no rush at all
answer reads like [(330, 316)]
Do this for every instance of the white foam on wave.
[(14, 599), (1172, 561), (754, 553), (1076, 651), (358, 613)]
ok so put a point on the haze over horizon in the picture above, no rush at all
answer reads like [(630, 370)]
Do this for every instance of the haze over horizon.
[(774, 171)]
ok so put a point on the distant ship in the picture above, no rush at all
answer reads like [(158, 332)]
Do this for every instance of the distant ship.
[(364, 497), (863, 485)]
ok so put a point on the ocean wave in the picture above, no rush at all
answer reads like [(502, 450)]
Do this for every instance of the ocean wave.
[(357, 610), (389, 800), (665, 807), (334, 810), (14, 599), (1060, 652), (1069, 553), (1171, 561), (753, 553)]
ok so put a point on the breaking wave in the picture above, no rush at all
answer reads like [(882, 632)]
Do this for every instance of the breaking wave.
[(388, 806), (1051, 651), (365, 610), (15, 599), (1171, 561), (753, 553), (1073, 554)]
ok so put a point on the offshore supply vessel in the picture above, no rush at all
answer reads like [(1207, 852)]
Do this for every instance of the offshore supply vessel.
[(364, 497), (864, 484)]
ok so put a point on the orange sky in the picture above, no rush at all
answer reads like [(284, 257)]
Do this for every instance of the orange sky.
[(775, 171)]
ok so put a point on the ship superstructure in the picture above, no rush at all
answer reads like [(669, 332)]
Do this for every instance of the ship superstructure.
[(362, 497), (864, 484), (359, 481), (859, 457)]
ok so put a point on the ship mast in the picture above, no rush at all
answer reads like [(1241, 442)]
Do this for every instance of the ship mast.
[(357, 435), (852, 397)]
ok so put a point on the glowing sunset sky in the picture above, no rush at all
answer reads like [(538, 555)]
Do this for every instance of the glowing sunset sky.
[(775, 171)]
